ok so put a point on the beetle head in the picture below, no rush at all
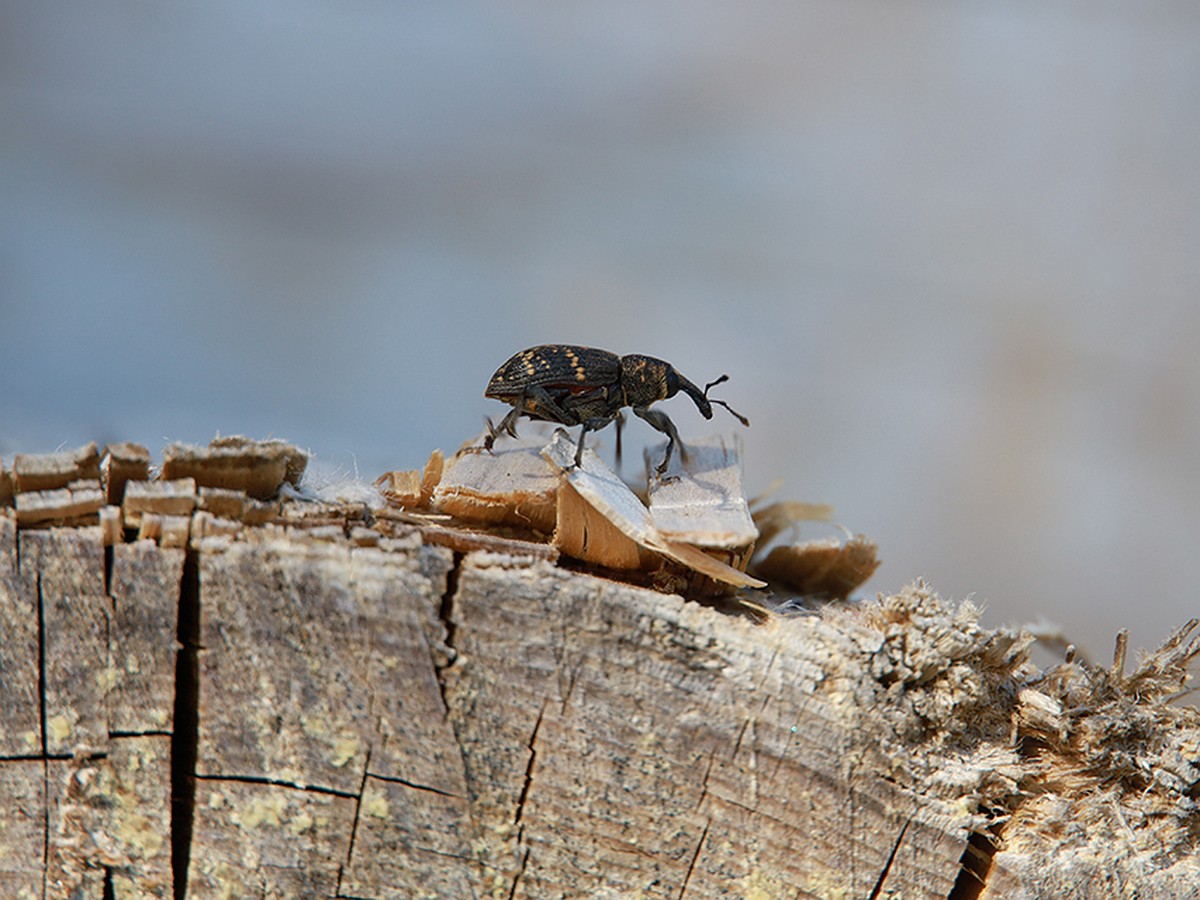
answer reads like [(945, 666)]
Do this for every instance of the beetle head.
[(645, 379)]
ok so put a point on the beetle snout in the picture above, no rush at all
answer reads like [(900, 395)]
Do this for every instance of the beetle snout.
[(698, 398), (704, 404)]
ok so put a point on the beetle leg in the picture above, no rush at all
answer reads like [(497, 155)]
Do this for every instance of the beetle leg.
[(538, 403), (533, 402), (660, 421), (620, 425), (491, 436), (508, 425), (593, 424)]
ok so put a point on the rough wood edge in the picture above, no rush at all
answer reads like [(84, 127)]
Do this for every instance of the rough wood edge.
[(885, 746)]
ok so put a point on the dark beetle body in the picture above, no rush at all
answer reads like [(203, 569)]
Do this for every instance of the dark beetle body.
[(584, 386)]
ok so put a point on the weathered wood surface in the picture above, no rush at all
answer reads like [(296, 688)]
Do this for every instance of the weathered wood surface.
[(333, 709)]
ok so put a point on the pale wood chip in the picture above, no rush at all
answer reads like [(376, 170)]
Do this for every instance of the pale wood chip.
[(124, 462), (258, 468), (82, 498), (150, 527), (822, 568), (224, 503), (48, 471), (319, 515), (206, 524), (175, 531), (513, 486), (166, 530), (259, 512), (775, 518), (297, 459), (432, 475), (362, 536), (584, 532), (6, 486), (464, 540), (328, 533), (604, 490), (112, 525), (166, 498), (702, 502), (401, 488)]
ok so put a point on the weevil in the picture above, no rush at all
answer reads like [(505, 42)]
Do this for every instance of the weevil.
[(584, 386)]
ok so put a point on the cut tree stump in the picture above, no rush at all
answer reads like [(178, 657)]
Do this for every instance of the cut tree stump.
[(339, 701)]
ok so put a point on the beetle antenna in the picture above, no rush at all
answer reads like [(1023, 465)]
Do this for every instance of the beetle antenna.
[(737, 415), (713, 384)]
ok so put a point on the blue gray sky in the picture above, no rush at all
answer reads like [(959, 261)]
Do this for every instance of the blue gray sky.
[(946, 252)]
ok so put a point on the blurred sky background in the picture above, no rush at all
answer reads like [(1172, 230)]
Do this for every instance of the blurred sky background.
[(949, 254)]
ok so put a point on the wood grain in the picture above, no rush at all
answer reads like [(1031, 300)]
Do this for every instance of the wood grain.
[(332, 705)]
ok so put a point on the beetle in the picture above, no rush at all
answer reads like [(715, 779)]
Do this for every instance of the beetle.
[(574, 385)]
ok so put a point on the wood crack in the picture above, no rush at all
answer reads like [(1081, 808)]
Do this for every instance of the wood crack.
[(41, 630), (704, 782), (695, 858), (186, 719), (415, 785), (974, 867), (362, 789), (109, 561), (520, 874), (520, 811), (41, 642), (446, 614), (887, 866), (279, 782)]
